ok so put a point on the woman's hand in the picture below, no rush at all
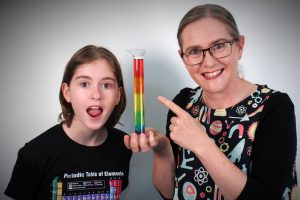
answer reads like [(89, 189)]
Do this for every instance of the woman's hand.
[(151, 139), (185, 130)]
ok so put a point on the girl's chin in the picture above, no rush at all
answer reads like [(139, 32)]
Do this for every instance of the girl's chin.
[(91, 125), (95, 125)]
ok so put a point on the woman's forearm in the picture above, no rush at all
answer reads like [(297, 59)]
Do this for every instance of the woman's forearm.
[(164, 169)]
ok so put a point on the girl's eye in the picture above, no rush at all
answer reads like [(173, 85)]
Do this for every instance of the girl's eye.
[(84, 84), (106, 85)]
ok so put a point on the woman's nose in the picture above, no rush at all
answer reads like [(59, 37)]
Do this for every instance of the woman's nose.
[(208, 59)]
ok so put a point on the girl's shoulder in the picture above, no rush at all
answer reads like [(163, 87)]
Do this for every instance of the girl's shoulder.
[(116, 132), (38, 145), (116, 136), (47, 136)]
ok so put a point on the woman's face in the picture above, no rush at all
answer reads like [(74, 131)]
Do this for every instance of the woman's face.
[(213, 75)]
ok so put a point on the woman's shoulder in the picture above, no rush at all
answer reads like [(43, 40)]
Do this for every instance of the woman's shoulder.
[(276, 100), (186, 94), (275, 96), (189, 91)]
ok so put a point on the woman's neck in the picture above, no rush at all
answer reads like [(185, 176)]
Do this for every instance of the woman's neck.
[(230, 97)]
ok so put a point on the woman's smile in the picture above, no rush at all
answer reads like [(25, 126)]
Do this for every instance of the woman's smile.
[(212, 75)]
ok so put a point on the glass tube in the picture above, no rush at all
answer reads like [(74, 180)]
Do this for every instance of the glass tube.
[(139, 111)]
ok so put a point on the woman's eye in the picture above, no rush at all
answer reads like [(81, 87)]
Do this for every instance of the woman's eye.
[(219, 46), (195, 52)]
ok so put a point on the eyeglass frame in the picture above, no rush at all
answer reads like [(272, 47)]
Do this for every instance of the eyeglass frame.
[(209, 50)]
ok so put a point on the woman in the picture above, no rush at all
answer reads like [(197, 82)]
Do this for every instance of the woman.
[(227, 138)]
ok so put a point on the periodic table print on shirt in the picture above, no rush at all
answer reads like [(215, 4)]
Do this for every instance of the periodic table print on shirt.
[(102, 185)]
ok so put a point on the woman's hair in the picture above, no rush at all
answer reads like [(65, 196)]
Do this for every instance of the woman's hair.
[(86, 55), (208, 10)]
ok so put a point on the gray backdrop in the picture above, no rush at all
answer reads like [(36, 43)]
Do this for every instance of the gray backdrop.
[(38, 38)]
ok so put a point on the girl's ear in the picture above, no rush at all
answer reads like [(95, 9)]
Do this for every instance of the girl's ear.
[(66, 92), (118, 96)]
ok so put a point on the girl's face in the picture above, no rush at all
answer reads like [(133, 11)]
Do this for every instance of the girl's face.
[(213, 75), (93, 93)]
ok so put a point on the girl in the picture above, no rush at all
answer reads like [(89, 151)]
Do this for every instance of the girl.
[(84, 156)]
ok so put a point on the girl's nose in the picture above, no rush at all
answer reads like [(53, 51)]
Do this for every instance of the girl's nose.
[(96, 93)]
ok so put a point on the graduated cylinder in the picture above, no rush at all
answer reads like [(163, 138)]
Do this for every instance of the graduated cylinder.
[(139, 111)]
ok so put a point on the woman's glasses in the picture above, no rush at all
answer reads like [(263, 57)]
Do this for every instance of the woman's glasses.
[(195, 56)]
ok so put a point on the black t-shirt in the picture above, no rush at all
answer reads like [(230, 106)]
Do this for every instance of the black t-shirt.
[(52, 166), (258, 135)]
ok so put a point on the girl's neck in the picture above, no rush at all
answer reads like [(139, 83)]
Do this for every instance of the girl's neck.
[(83, 136), (230, 97)]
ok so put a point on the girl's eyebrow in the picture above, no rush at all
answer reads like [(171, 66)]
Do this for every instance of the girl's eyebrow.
[(83, 76), (89, 78), (109, 78)]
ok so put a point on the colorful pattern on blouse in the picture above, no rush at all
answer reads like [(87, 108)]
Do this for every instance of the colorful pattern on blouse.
[(232, 130)]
